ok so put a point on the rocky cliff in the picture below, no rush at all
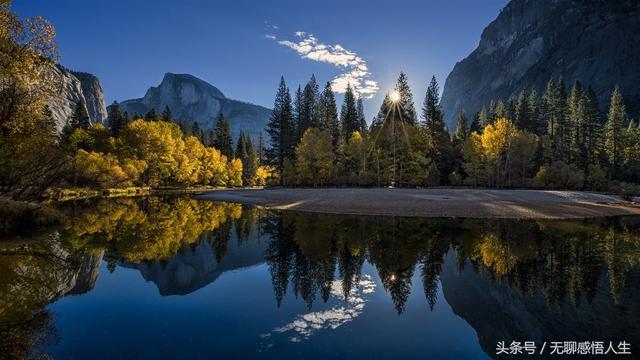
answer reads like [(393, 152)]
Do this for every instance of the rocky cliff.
[(596, 42), (70, 88), (192, 99), (93, 95)]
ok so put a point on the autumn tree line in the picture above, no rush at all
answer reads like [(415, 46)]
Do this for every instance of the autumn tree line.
[(153, 150), (559, 140)]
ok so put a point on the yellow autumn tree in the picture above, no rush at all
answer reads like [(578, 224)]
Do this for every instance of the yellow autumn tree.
[(214, 168), (156, 142), (500, 156), (314, 157), (235, 173), (105, 169)]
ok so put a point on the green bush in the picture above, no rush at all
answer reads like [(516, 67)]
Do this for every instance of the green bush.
[(559, 175)]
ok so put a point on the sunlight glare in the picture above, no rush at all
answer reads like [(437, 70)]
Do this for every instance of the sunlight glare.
[(394, 96)]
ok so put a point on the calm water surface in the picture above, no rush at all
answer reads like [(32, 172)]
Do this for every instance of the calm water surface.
[(177, 278)]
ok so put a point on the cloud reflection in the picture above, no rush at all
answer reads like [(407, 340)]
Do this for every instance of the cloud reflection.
[(305, 325)]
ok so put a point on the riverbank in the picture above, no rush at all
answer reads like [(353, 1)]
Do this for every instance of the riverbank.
[(463, 203)]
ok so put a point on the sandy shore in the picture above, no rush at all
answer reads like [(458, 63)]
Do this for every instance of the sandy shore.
[(469, 203)]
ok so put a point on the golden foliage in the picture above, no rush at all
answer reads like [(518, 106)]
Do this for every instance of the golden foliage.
[(157, 232), (314, 157)]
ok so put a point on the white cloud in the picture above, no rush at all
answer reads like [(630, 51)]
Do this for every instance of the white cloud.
[(354, 68), (305, 325)]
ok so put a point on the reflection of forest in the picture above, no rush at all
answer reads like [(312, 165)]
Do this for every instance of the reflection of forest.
[(148, 229), (494, 273), (560, 260)]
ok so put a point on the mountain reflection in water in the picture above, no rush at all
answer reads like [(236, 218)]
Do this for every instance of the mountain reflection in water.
[(510, 280)]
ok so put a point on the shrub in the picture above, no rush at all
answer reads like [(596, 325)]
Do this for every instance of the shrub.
[(455, 178), (597, 178), (559, 175)]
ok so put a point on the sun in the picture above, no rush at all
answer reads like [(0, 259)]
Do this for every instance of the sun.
[(394, 96)]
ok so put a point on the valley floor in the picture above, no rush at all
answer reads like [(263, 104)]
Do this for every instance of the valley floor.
[(465, 203)]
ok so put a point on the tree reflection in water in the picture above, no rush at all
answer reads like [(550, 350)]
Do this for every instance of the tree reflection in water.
[(315, 257), (559, 259)]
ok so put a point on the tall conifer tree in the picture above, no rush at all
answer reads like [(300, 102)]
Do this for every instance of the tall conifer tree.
[(327, 113), (280, 129), (614, 132), (222, 137), (80, 118), (349, 114)]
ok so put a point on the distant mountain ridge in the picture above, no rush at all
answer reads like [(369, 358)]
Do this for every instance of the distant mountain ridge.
[(596, 42), (193, 99)]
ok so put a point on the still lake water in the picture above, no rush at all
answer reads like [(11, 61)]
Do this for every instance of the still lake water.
[(177, 278)]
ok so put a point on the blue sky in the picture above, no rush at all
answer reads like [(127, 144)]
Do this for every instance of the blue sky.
[(243, 47)]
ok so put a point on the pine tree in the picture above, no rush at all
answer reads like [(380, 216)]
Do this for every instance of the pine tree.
[(476, 123), (576, 126), (80, 117), (385, 109), (328, 114), (484, 118), (152, 115), (433, 120), (491, 113), (522, 118), (280, 129), (308, 116), (361, 117), (614, 132), (247, 154), (405, 104), (250, 164), (241, 146), (534, 124), (500, 111), (511, 109), (593, 126), (115, 119), (554, 107), (297, 114), (166, 114), (260, 150), (462, 127), (211, 137), (349, 115), (222, 137)]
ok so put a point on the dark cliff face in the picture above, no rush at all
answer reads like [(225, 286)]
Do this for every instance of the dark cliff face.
[(596, 42), (192, 99)]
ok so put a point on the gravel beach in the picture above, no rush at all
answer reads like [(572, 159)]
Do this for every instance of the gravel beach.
[(465, 203)]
